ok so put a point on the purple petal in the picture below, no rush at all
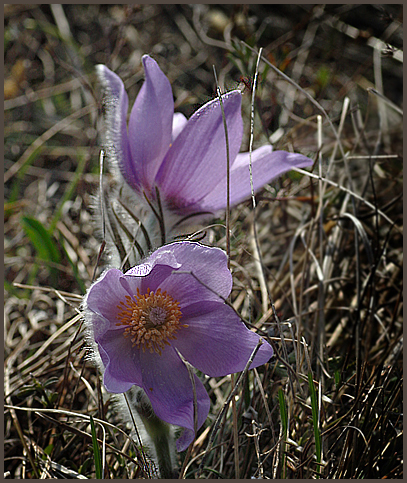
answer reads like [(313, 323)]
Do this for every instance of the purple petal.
[(178, 123), (116, 124), (121, 360), (197, 158), (185, 289), (208, 265), (150, 125), (99, 325), (103, 298), (153, 271), (167, 384), (187, 271), (164, 255), (217, 342), (152, 281), (266, 165)]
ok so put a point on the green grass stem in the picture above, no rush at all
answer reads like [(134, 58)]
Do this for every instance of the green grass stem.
[(96, 452), (315, 419)]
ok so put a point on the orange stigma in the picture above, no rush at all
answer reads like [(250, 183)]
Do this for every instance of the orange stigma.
[(151, 319)]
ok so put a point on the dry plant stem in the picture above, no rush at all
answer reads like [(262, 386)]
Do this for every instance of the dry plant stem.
[(368, 384), (254, 241), (256, 434), (319, 217), (320, 298), (276, 458), (59, 293), (252, 129), (320, 280), (254, 216), (345, 108), (263, 396), (185, 462), (84, 435), (200, 31), (235, 432), (84, 381), (38, 368), (234, 412), (385, 99), (227, 170), (335, 237), (321, 288), (193, 384), (259, 271), (383, 120)]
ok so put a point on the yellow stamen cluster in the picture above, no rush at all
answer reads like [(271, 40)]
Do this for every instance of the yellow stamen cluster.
[(151, 319)]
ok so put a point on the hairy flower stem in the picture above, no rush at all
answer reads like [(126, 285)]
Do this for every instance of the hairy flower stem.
[(160, 434), (157, 432)]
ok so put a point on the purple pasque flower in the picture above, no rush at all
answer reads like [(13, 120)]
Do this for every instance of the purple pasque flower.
[(171, 305), (184, 159)]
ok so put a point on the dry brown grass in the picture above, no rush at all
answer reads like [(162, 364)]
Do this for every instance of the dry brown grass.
[(330, 242)]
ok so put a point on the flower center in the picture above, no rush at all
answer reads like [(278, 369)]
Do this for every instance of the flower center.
[(151, 319)]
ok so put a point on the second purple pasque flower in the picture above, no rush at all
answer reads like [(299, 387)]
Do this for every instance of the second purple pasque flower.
[(184, 159)]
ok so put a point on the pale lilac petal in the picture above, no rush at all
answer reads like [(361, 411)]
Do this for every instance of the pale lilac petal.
[(152, 281), (163, 256), (103, 298), (150, 125), (153, 271), (167, 384), (216, 341), (99, 325), (178, 123), (116, 105), (187, 290), (121, 361), (187, 271), (266, 165), (198, 155), (208, 264)]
